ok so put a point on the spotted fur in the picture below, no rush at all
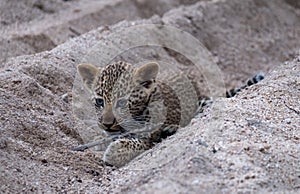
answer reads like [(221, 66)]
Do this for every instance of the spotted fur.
[(136, 108), (258, 77)]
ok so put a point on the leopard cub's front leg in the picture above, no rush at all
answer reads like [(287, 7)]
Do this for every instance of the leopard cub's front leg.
[(123, 150)]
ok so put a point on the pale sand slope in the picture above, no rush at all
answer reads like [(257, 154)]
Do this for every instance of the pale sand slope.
[(32, 26)]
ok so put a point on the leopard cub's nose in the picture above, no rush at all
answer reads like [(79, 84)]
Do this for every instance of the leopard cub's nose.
[(110, 124)]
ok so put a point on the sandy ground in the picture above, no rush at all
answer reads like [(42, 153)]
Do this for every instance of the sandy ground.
[(247, 144), (32, 26)]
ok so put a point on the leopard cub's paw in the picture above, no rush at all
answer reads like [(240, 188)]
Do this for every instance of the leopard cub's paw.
[(122, 151)]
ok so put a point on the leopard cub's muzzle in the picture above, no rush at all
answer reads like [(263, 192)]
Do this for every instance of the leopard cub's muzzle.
[(108, 121)]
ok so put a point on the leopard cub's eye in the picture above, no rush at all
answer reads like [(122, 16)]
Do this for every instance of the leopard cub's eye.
[(147, 83), (99, 102), (121, 103)]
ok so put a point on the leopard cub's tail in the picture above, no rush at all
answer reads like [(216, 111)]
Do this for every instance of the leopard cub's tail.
[(207, 101), (255, 79)]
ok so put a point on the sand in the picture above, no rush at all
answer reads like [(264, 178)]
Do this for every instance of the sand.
[(246, 144)]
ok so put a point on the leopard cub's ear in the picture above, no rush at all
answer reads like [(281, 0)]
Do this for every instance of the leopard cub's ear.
[(147, 72), (88, 74)]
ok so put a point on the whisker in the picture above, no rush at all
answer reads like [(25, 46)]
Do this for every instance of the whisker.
[(130, 134)]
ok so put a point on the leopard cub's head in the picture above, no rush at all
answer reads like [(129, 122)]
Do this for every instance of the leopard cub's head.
[(120, 92)]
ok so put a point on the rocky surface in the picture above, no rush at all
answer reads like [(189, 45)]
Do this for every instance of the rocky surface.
[(249, 143)]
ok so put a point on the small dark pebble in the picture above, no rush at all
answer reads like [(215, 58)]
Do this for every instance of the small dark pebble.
[(93, 172), (250, 177), (44, 161), (214, 150), (18, 170)]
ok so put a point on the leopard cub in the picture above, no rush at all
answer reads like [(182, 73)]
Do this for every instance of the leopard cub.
[(137, 109), (129, 99)]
